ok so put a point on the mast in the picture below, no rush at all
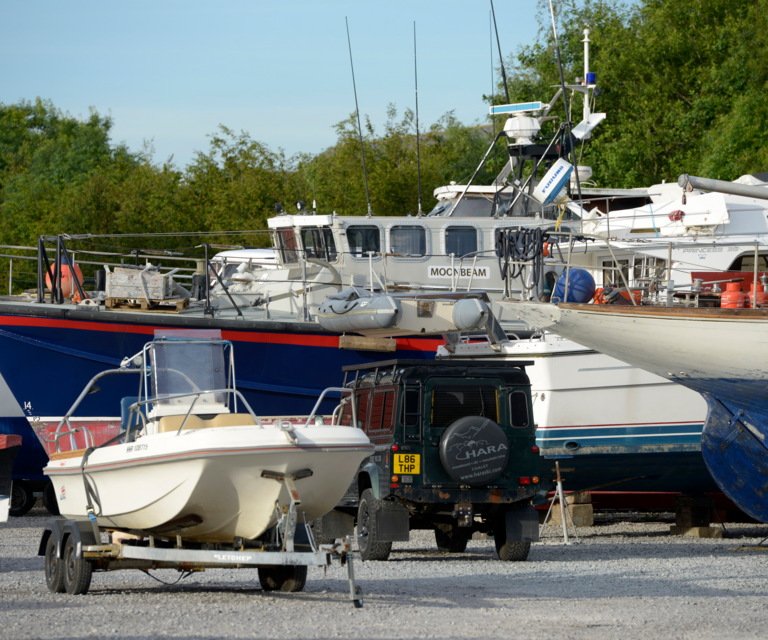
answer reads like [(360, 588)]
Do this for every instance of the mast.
[(359, 127)]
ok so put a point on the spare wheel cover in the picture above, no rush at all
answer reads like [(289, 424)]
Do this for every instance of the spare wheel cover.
[(474, 450)]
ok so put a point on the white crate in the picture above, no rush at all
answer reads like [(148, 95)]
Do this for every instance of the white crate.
[(142, 283)]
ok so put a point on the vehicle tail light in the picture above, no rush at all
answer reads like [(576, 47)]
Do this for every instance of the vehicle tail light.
[(535, 449)]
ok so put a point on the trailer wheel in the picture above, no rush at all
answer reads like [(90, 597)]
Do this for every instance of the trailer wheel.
[(367, 534), (54, 566), (22, 498), (77, 570), (283, 578)]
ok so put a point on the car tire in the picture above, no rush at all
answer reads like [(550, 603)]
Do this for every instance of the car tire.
[(371, 548), (510, 550), (22, 498), (286, 579)]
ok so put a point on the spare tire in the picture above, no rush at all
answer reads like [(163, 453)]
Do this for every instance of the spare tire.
[(474, 450)]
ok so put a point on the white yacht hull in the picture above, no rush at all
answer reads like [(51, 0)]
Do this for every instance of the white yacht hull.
[(207, 484), (720, 353), (618, 427)]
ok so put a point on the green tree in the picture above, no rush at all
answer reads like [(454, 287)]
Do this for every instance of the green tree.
[(48, 161), (236, 184), (681, 81)]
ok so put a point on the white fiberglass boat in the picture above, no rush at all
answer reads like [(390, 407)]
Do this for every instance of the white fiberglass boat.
[(190, 463)]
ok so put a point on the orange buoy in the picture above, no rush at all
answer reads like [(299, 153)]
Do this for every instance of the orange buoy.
[(68, 286), (733, 297)]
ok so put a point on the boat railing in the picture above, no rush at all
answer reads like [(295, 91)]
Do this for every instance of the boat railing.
[(336, 416), (65, 429), (71, 433), (21, 264), (640, 274)]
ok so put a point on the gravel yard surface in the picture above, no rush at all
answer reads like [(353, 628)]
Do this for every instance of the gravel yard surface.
[(619, 579)]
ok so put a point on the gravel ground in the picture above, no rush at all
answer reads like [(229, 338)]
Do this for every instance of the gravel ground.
[(619, 579)]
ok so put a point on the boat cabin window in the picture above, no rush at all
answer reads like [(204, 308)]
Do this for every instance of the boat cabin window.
[(518, 409), (318, 243), (615, 272), (363, 240), (408, 240), (483, 205), (285, 241), (460, 241), (449, 403), (641, 271), (747, 262)]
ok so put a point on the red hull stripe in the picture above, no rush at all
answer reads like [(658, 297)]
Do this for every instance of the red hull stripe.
[(296, 339)]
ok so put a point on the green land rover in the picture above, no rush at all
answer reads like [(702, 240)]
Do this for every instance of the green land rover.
[(455, 452)]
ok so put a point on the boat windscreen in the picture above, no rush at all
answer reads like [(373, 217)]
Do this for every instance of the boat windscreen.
[(188, 368)]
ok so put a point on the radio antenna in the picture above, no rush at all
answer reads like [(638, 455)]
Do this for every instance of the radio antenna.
[(418, 151), (501, 60), (359, 127)]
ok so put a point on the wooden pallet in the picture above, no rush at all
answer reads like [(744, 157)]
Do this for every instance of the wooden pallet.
[(169, 304)]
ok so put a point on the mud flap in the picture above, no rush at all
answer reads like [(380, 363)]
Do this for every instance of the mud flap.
[(392, 522), (336, 524), (80, 530), (522, 524)]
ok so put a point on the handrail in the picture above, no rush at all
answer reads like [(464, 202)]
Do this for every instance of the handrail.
[(65, 420), (321, 398)]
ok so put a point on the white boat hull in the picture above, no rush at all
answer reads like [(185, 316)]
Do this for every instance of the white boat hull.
[(618, 426), (207, 484)]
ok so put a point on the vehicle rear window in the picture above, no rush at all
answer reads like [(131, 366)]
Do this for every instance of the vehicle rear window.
[(518, 409), (449, 403)]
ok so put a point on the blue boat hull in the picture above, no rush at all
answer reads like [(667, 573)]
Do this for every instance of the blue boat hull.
[(49, 354), (734, 448)]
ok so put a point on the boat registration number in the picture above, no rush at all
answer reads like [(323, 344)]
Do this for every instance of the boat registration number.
[(407, 463)]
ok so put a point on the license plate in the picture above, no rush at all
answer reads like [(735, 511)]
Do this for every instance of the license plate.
[(407, 463)]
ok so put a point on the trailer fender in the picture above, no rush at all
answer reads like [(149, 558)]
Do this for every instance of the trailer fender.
[(62, 529)]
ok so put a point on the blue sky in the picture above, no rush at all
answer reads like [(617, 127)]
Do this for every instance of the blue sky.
[(168, 72)]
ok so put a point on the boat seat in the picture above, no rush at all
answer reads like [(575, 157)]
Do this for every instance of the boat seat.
[(172, 423)]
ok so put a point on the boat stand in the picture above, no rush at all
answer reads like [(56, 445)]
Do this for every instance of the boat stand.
[(559, 497), (73, 549)]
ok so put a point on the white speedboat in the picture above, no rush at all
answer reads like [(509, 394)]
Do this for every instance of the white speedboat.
[(193, 460)]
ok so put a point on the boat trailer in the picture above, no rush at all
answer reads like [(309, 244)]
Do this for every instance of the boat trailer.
[(73, 549)]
